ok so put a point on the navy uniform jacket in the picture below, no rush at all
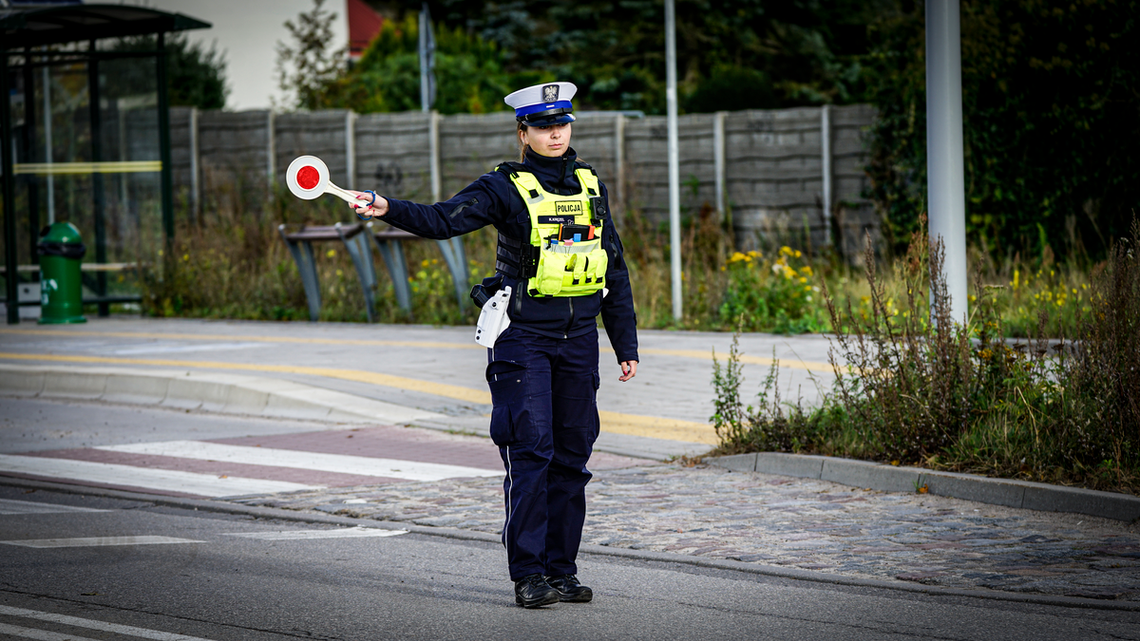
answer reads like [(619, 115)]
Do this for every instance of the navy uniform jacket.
[(494, 200)]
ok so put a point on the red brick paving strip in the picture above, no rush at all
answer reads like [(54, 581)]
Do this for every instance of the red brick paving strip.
[(407, 444)]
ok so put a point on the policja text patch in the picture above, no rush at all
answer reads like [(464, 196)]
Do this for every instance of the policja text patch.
[(568, 207)]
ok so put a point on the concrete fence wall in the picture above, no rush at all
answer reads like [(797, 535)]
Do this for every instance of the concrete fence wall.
[(789, 175)]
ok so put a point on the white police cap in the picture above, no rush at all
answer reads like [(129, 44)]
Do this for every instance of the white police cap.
[(542, 105)]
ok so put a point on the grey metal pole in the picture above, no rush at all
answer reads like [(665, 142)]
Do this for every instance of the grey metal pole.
[(945, 175), (427, 60), (674, 164)]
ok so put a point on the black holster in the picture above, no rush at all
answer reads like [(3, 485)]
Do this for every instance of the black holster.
[(483, 292)]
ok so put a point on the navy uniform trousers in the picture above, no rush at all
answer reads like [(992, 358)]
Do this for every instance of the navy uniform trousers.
[(545, 422)]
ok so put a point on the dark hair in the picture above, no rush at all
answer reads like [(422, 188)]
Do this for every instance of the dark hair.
[(522, 147)]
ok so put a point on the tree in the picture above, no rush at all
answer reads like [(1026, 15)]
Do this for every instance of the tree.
[(468, 70), (309, 68), (195, 75), (797, 52), (1049, 105)]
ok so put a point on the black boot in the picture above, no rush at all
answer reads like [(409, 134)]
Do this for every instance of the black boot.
[(569, 590), (533, 592)]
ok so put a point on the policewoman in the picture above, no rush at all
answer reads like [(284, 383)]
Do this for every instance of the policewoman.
[(558, 266)]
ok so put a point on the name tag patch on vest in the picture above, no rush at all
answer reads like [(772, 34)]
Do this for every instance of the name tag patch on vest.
[(570, 207), (559, 220)]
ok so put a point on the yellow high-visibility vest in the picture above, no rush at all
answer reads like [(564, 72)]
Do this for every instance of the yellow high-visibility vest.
[(566, 266)]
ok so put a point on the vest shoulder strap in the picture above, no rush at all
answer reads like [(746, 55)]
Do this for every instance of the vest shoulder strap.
[(509, 167), (522, 178), (588, 178)]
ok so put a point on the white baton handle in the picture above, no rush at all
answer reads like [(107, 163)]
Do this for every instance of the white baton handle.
[(362, 201)]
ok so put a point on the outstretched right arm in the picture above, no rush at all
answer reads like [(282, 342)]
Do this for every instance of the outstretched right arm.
[(481, 203)]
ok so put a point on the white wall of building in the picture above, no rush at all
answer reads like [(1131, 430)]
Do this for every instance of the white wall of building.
[(247, 31)]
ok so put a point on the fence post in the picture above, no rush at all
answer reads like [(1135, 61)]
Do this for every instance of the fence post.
[(195, 186), (271, 148), (433, 144), (350, 148), (619, 159), (718, 163), (825, 161)]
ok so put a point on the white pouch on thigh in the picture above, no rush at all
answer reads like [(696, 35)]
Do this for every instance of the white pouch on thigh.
[(493, 319)]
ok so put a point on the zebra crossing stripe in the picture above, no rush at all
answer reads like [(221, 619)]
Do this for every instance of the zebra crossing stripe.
[(144, 477), (12, 506), (98, 541), (300, 535), (89, 624), (17, 632)]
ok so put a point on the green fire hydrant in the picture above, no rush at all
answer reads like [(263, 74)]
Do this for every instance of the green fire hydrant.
[(61, 251)]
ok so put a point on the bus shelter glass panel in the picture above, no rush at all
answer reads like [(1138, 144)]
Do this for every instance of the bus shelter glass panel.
[(98, 169)]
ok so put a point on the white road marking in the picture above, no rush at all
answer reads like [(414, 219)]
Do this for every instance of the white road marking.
[(77, 622), (16, 632), (149, 478), (173, 349), (300, 535), (9, 506), (98, 541), (344, 464)]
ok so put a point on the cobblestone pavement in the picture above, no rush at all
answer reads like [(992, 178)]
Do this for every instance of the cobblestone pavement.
[(798, 523)]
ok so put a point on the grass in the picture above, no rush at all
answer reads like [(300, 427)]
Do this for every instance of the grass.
[(232, 263), (963, 397)]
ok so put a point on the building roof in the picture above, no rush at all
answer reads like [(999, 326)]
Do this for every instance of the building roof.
[(34, 27)]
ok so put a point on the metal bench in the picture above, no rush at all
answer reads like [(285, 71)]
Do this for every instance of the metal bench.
[(388, 241)]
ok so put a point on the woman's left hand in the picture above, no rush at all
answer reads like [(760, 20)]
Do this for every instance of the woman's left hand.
[(628, 370), (378, 208)]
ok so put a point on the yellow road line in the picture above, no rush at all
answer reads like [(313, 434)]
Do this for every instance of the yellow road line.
[(251, 339), (756, 360), (618, 423), (464, 394), (683, 353)]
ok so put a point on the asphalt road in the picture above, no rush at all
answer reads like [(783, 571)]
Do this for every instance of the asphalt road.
[(224, 577)]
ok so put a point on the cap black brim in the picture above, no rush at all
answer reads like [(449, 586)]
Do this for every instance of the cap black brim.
[(546, 119)]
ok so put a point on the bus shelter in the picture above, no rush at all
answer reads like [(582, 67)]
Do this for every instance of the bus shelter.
[(86, 140)]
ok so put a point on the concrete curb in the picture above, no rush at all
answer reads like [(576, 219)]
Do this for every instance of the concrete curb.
[(205, 391), (795, 574), (889, 478)]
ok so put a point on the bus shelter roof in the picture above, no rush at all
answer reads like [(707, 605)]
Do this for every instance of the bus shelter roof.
[(35, 26)]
